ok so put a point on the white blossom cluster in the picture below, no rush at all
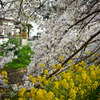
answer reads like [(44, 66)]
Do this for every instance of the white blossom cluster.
[(10, 45), (5, 59)]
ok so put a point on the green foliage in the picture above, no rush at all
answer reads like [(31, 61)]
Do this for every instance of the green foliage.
[(24, 28), (12, 41), (47, 16), (29, 26), (22, 61), (17, 23), (55, 8)]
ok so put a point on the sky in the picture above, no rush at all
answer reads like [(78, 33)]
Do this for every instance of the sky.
[(34, 30)]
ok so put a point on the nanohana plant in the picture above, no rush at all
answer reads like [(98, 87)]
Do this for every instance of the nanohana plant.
[(78, 82)]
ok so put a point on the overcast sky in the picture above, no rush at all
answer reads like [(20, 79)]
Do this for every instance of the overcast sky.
[(34, 30)]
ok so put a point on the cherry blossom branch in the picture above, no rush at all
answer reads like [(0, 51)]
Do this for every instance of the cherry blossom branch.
[(77, 22), (84, 45), (38, 8), (21, 2)]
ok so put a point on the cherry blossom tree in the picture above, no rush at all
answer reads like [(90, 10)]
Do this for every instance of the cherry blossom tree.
[(72, 32)]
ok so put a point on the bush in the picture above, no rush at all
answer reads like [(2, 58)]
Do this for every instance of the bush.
[(22, 60)]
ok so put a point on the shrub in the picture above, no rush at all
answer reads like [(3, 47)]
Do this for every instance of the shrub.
[(23, 59)]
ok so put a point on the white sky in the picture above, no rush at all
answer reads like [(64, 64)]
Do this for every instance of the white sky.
[(34, 30)]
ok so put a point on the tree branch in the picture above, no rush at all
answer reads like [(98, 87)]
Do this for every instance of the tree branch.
[(38, 8), (20, 8), (84, 45), (96, 11), (2, 5)]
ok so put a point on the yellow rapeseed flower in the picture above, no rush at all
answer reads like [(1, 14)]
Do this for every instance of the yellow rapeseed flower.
[(56, 85), (42, 65), (51, 95), (33, 79), (44, 92), (93, 75), (88, 87), (77, 77), (6, 81), (88, 53), (84, 75), (95, 85), (68, 76), (39, 95), (92, 59), (40, 79), (59, 65), (1, 90), (46, 72), (61, 58), (95, 54), (71, 84), (64, 84), (72, 94), (5, 90), (33, 90), (76, 66), (70, 61), (69, 99), (28, 94), (3, 74), (88, 81), (7, 99), (54, 67), (76, 89), (46, 82), (56, 98), (79, 86), (20, 98), (53, 77), (62, 97), (82, 94), (43, 79), (21, 92)]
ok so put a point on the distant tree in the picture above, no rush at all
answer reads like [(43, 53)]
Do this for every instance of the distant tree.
[(29, 26)]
